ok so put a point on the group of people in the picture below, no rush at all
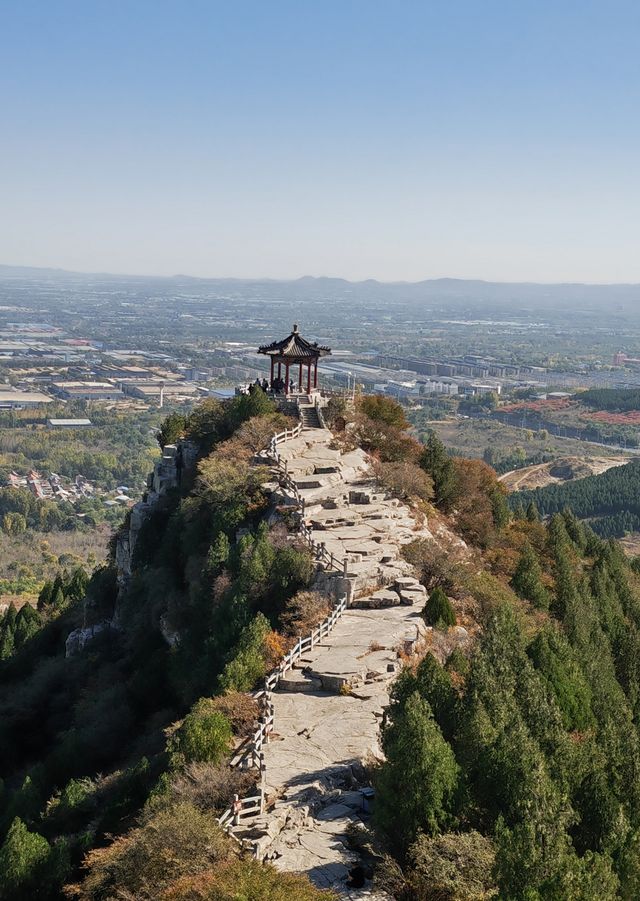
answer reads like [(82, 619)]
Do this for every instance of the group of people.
[(278, 387)]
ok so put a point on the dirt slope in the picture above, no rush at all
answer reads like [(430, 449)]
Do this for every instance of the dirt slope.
[(562, 470)]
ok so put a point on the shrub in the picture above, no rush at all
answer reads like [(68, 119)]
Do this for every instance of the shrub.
[(383, 409), (169, 843), (230, 489), (434, 565), (247, 663), (387, 442), (303, 612), (335, 412), (452, 867), (240, 710), (204, 735), (438, 611), (405, 480), (209, 787), (253, 436), (246, 879)]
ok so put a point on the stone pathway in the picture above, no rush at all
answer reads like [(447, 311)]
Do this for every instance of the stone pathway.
[(328, 709)]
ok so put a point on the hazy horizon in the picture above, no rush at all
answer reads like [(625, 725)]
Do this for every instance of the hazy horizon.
[(400, 143), (319, 277)]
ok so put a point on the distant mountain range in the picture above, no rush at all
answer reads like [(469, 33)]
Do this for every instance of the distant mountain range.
[(616, 297)]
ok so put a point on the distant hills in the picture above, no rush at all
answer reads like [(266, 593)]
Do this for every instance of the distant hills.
[(616, 297)]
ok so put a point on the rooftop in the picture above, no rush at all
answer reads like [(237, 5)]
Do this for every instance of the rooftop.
[(295, 348)]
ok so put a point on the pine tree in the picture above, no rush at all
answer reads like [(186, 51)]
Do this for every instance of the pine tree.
[(415, 786), (439, 465), (27, 624), (58, 584), (527, 579), (566, 593), (7, 632), (76, 589), (532, 513), (218, 555), (46, 593), (500, 509), (58, 599), (438, 611), (557, 536)]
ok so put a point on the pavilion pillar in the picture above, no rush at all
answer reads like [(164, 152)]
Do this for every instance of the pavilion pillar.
[(272, 362), (315, 375), (286, 369), (279, 370), (308, 378), (300, 378)]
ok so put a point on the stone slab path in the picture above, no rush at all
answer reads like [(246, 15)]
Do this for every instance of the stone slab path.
[(324, 733)]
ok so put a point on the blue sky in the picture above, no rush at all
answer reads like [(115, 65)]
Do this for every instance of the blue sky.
[(356, 138)]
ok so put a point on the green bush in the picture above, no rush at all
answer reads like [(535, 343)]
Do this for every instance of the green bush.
[(438, 611), (204, 736)]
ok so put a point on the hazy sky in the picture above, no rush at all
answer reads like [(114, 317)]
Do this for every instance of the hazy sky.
[(394, 140)]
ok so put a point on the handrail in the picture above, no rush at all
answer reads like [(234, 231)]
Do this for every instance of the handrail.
[(250, 754)]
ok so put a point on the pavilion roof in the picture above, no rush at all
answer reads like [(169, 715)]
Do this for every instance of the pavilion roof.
[(295, 348)]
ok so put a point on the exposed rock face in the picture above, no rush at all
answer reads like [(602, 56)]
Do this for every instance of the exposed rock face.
[(79, 638), (167, 474)]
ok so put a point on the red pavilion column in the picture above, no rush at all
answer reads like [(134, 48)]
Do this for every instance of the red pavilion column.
[(271, 381), (308, 378), (300, 378), (315, 375), (286, 376)]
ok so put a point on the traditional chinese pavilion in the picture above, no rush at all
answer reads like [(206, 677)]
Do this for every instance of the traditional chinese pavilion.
[(290, 353)]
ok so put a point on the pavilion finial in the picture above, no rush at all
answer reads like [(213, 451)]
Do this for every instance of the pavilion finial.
[(295, 328)]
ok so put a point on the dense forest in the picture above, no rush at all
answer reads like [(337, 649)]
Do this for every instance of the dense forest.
[(512, 770), (119, 449), (620, 400), (521, 764), (610, 501)]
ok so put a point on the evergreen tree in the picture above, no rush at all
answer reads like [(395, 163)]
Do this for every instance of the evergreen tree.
[(28, 622), (566, 592), (499, 509), (218, 555), (555, 659), (415, 787), (438, 464), (46, 593), (58, 585), (438, 611), (58, 599), (532, 513), (574, 529), (527, 579), (23, 859), (7, 632), (76, 588)]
